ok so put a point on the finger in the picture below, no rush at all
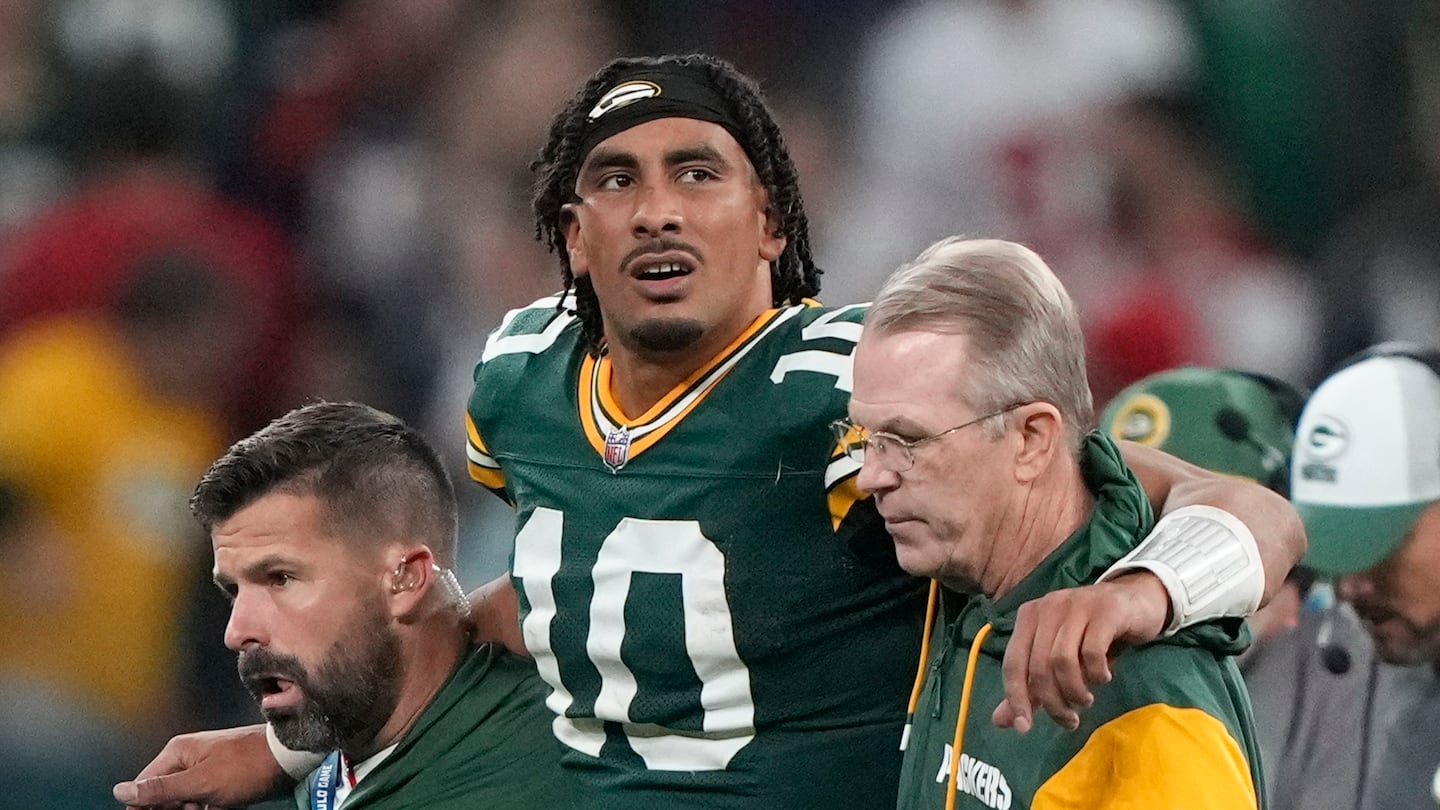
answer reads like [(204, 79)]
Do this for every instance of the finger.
[(164, 789), (1003, 716), (1066, 672), (1095, 649), (1039, 680), (1015, 669), (127, 794), (1044, 677)]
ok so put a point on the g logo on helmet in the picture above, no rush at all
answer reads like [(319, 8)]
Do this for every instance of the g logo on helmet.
[(1327, 438), (1144, 419)]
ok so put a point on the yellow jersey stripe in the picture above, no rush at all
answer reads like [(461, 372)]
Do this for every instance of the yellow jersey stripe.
[(486, 477), (841, 490), (599, 412), (482, 467)]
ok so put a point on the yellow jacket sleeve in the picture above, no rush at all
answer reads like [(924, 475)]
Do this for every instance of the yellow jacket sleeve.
[(1154, 756)]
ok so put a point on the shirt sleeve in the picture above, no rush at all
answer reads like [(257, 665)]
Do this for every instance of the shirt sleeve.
[(482, 466), (1154, 756)]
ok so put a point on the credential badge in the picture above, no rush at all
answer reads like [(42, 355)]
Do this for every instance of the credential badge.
[(617, 448)]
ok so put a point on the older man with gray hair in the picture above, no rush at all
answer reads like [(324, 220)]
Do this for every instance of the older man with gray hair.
[(973, 416)]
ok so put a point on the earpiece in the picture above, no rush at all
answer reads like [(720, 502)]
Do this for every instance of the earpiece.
[(400, 579)]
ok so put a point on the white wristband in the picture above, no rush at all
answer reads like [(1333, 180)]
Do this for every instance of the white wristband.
[(1206, 559), (295, 763)]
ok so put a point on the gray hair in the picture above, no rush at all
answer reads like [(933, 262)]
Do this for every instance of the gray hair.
[(1023, 328)]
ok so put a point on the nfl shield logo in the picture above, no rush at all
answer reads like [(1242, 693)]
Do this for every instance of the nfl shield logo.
[(617, 448)]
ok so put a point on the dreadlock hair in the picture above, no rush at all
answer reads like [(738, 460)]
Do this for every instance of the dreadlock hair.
[(793, 275)]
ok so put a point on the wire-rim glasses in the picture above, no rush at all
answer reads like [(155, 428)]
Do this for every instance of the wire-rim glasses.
[(891, 452)]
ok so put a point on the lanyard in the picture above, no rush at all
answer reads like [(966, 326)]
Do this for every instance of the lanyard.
[(325, 782)]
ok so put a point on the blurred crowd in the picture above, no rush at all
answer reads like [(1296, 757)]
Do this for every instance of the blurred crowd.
[(214, 210)]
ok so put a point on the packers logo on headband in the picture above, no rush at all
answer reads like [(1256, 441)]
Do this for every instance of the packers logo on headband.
[(623, 94), (1144, 419)]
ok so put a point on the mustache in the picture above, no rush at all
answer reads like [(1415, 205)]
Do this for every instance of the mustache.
[(260, 664), (664, 244), (1373, 612)]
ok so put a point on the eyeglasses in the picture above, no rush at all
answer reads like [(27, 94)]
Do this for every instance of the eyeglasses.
[(891, 452)]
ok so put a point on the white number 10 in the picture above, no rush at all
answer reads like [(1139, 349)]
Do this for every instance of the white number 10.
[(647, 546)]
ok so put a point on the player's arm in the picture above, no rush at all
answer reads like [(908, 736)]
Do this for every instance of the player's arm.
[(1220, 543), (229, 768), (1155, 756), (1173, 484), (495, 615)]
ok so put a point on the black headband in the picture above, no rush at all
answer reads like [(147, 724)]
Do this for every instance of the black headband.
[(658, 91)]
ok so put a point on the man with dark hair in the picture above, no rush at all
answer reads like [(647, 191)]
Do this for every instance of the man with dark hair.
[(714, 92), (334, 531), (714, 603)]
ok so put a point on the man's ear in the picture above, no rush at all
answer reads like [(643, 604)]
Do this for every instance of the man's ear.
[(772, 240), (1041, 432), (574, 246), (410, 580)]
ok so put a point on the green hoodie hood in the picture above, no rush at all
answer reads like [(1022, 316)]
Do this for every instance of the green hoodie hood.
[(1121, 516)]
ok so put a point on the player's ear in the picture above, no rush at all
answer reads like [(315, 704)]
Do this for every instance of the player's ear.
[(574, 245), (772, 238)]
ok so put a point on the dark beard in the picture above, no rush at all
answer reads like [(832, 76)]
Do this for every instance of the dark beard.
[(662, 336), (344, 701)]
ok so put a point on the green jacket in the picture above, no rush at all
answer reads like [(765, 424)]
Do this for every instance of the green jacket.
[(484, 741), (1172, 729)]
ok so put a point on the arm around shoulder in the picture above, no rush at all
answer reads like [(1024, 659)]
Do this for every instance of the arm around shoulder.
[(227, 768), (1269, 532)]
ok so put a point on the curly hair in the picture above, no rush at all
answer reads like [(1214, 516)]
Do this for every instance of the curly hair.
[(793, 275)]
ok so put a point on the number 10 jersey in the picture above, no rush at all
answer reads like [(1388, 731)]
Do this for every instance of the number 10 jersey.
[(716, 608)]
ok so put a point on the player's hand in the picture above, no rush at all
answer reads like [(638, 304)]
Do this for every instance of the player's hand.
[(228, 768), (1063, 642)]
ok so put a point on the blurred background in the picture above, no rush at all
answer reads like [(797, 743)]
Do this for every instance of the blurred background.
[(214, 210)]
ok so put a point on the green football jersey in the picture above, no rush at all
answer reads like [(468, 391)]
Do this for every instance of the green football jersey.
[(717, 609)]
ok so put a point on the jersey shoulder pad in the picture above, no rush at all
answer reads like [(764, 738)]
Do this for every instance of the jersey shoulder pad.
[(849, 313), (532, 329), (834, 329), (531, 344)]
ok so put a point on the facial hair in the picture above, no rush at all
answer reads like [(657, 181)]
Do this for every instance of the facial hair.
[(1419, 644), (662, 336), (345, 700)]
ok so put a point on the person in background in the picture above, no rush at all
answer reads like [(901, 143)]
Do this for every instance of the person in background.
[(1365, 478), (106, 420)]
